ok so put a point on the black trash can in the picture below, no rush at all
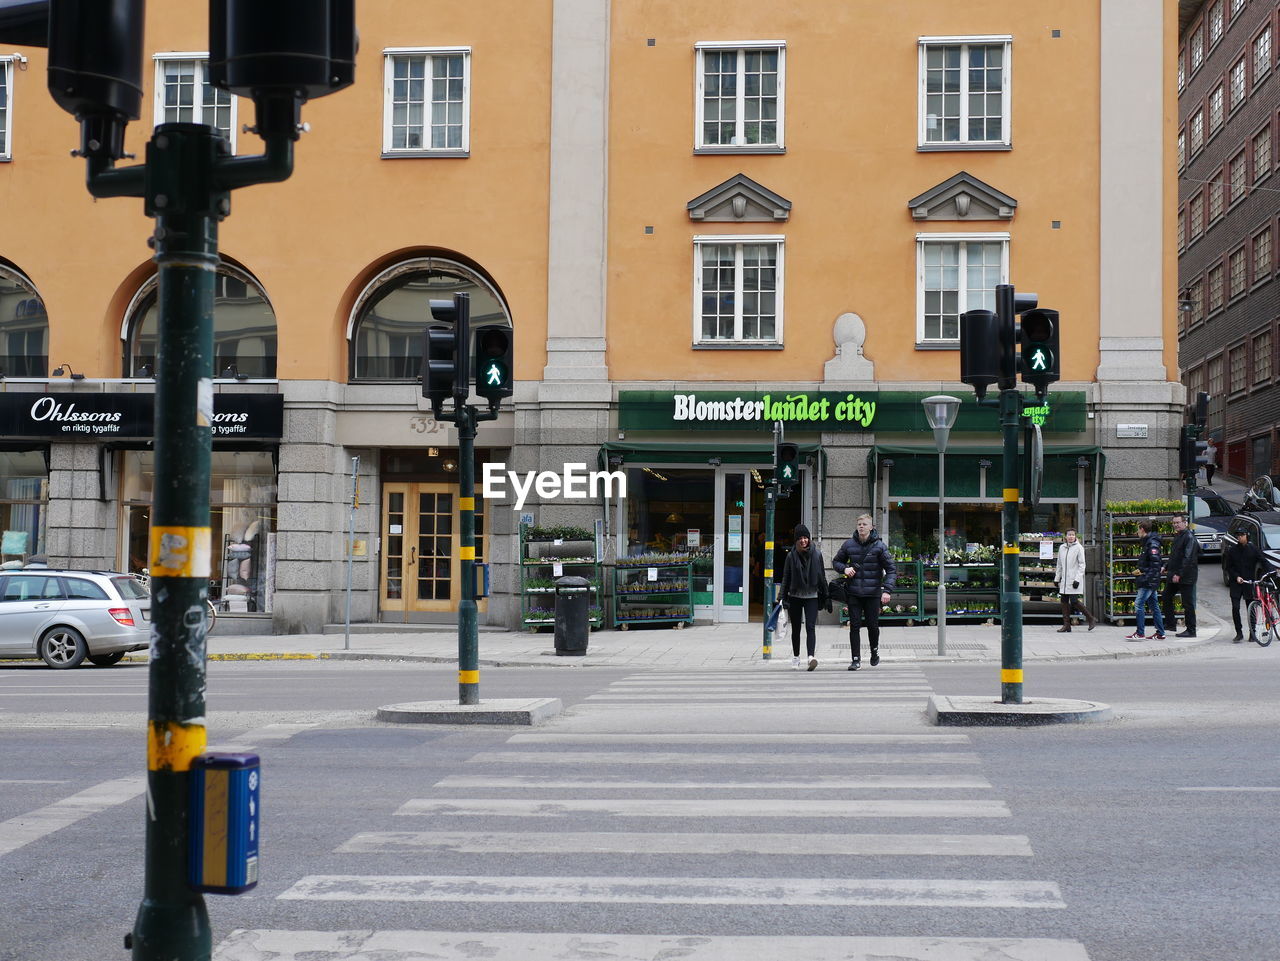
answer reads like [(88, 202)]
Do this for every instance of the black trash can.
[(573, 621)]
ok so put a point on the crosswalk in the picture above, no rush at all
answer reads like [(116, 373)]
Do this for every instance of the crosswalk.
[(659, 812)]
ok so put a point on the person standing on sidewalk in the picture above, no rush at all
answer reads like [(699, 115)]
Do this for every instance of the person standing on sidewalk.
[(1183, 570), (865, 560), (1243, 561), (1148, 581), (803, 582), (1070, 580), (1210, 462)]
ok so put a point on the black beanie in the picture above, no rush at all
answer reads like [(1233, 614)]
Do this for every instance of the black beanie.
[(801, 531)]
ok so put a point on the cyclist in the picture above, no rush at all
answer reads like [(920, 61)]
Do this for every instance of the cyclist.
[(1242, 566)]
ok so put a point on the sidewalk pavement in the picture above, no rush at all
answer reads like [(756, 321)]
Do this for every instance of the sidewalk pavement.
[(708, 647)]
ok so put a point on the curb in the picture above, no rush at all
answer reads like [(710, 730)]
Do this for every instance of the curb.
[(978, 711)]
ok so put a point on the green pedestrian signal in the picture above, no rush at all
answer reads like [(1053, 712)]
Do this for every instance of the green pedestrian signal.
[(1038, 336), (786, 464), (493, 360), (1040, 359)]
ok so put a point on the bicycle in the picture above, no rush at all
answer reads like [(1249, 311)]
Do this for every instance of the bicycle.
[(143, 577), (1263, 610)]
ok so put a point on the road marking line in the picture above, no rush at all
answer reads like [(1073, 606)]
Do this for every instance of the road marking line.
[(692, 757), (22, 830), (706, 807), (14, 780), (555, 737), (791, 892), (254, 945), (621, 842), (1259, 789), (841, 697), (269, 734), (942, 782)]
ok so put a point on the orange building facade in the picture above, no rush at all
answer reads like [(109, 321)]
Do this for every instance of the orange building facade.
[(697, 222)]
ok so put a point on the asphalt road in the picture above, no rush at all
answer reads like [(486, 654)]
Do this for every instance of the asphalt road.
[(762, 813)]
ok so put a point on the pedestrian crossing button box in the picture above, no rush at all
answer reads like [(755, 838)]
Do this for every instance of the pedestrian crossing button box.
[(224, 821)]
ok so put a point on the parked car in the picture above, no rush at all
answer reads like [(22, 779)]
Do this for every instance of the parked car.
[(1264, 531), (64, 617), (1213, 514)]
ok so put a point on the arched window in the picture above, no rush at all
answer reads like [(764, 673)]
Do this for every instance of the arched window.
[(24, 327), (244, 328), (386, 329)]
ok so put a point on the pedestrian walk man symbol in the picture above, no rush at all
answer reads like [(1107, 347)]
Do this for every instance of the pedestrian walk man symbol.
[(493, 376), (1038, 360)]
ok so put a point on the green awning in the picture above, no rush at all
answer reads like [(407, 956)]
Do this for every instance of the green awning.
[(659, 453)]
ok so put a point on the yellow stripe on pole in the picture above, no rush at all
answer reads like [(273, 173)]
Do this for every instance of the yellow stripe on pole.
[(466, 553), (180, 552), (214, 829), (466, 503), (768, 572), (1010, 494), (172, 746), (1008, 676), (1012, 549), (468, 677), (768, 545)]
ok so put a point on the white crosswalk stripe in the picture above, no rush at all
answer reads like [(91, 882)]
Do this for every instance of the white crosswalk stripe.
[(684, 798), (247, 945)]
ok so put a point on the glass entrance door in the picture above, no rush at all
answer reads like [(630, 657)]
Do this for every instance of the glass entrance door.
[(420, 555), (732, 543)]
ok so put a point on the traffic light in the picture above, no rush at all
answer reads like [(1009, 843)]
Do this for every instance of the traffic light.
[(1038, 337), (1200, 415), (494, 358), (1192, 452), (979, 350), (445, 371), (786, 464)]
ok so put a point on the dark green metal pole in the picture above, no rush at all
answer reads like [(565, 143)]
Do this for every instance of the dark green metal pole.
[(172, 922), (1010, 593), (468, 632), (770, 499)]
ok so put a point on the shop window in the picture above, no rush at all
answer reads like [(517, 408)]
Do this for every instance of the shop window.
[(24, 494), (24, 327), (385, 334), (244, 329), (242, 500)]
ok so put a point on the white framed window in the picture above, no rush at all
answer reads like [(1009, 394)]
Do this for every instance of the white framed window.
[(955, 273), (1215, 22), (1197, 131), (426, 104), (184, 94), (740, 106), (1215, 109), (1262, 53), (1197, 49), (964, 92), (6, 105), (737, 290), (1236, 80)]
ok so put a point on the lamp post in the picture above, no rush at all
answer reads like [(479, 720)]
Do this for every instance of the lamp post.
[(941, 410)]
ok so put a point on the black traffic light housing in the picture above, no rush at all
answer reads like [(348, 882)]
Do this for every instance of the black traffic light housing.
[(281, 54), (445, 348), (494, 357), (1038, 339), (1192, 452), (1200, 412), (786, 464), (979, 350)]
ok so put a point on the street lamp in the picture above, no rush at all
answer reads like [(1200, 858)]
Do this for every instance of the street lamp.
[(941, 410)]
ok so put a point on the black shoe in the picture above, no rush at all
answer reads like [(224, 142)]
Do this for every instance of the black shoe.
[(1253, 638), (856, 665), (875, 658), (1185, 634), (1238, 638)]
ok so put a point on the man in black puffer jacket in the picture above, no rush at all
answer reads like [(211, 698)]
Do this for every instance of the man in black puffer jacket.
[(1147, 581), (865, 561)]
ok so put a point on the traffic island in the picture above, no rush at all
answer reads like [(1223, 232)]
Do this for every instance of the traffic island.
[(518, 711), (972, 711)]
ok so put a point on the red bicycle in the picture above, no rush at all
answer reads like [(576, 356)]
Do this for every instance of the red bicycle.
[(1264, 611)]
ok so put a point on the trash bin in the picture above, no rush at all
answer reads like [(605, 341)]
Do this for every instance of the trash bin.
[(573, 623)]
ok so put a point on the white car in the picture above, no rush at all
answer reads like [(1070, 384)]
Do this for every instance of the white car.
[(65, 617)]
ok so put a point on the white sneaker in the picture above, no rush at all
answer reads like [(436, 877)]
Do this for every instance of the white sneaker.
[(813, 663), (795, 664)]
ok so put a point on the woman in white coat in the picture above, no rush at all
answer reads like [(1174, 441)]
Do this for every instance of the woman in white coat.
[(1070, 580)]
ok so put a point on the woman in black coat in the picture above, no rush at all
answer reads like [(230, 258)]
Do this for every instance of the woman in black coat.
[(803, 587), (865, 561)]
